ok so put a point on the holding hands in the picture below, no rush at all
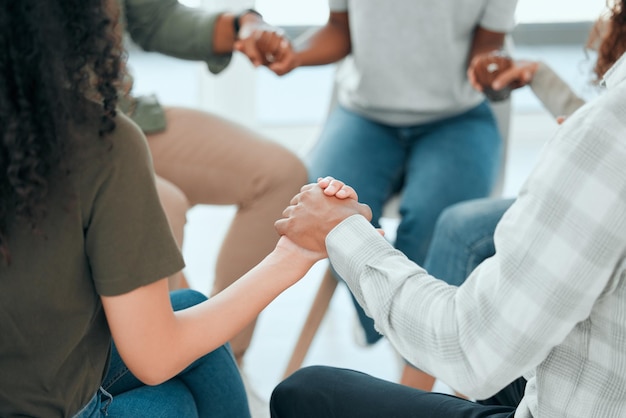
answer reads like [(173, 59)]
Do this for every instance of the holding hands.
[(263, 43), (517, 75), (316, 210)]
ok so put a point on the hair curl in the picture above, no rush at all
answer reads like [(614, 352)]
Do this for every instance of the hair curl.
[(55, 53), (613, 40)]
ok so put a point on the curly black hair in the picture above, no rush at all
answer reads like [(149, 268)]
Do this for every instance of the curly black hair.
[(54, 55)]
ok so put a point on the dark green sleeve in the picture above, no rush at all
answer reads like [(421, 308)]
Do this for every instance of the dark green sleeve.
[(171, 28), (127, 237)]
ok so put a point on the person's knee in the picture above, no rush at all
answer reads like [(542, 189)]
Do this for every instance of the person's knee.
[(290, 172), (296, 394), (455, 217), (471, 220)]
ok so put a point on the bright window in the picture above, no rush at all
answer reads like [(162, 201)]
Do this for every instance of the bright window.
[(307, 12), (190, 3), (535, 11), (293, 12)]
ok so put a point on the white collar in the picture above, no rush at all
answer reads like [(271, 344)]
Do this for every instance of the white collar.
[(616, 74)]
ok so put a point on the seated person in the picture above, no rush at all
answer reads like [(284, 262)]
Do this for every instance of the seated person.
[(86, 250), (547, 311), (463, 235)]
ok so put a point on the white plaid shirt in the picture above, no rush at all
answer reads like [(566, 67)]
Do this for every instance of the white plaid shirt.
[(550, 305)]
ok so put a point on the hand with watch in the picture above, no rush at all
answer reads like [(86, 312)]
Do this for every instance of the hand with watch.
[(261, 42)]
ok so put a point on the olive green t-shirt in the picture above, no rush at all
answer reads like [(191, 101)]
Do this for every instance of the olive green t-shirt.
[(104, 234)]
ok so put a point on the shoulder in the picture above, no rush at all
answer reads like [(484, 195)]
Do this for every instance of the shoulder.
[(595, 131), (127, 138), (125, 146)]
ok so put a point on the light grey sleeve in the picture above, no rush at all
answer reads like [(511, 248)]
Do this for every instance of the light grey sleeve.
[(554, 93), (499, 15)]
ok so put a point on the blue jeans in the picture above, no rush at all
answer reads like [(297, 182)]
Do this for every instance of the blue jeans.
[(97, 406), (433, 165), (463, 238), (209, 387)]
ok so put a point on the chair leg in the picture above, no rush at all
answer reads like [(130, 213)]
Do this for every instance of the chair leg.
[(312, 323)]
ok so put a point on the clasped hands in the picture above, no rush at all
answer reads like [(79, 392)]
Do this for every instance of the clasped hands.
[(518, 75), (315, 211), (266, 45)]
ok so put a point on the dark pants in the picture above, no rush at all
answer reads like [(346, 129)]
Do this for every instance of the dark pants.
[(328, 392)]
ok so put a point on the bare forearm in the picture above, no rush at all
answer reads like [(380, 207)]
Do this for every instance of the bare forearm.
[(156, 343), (322, 48), (327, 45), (228, 312), (485, 41)]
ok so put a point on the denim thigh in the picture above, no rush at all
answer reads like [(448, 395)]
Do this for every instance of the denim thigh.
[(463, 238), (433, 165), (97, 407), (363, 153), (450, 161)]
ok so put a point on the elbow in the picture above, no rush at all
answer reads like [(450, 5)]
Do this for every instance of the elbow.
[(151, 376), (149, 370)]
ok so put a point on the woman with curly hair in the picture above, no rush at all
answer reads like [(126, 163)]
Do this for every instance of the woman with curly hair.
[(85, 249)]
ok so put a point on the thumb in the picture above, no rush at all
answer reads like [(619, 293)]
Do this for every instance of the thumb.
[(279, 68)]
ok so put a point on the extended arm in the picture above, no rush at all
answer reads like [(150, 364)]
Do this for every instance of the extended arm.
[(484, 41), (324, 46), (157, 343), (173, 29), (554, 93)]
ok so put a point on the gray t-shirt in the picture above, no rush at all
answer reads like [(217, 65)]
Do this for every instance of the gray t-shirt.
[(409, 58), (104, 234)]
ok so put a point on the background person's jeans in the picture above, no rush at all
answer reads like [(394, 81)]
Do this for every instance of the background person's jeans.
[(434, 165), (463, 238), (209, 387)]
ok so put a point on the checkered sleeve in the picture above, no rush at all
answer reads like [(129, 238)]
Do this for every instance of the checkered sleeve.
[(558, 249)]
